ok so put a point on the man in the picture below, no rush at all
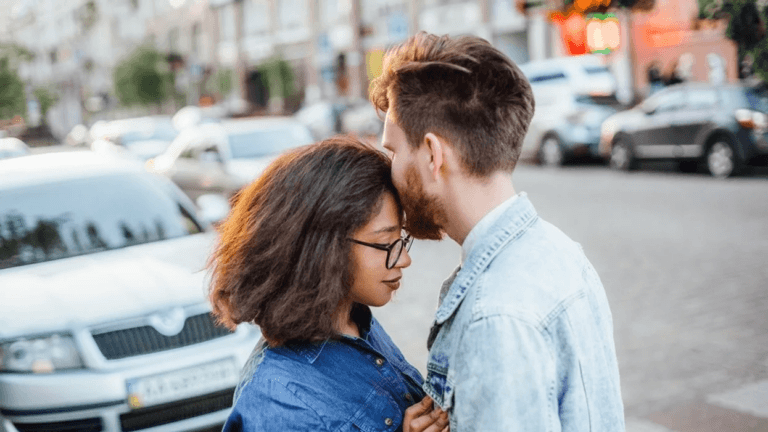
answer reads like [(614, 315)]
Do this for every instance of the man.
[(523, 336)]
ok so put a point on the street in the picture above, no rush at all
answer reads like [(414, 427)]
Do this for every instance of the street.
[(683, 261)]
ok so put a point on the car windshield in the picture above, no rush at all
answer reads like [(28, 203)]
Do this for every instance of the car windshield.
[(592, 70), (266, 142), (50, 221), (757, 99), (155, 131)]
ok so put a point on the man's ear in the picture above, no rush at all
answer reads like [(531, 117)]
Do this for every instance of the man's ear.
[(436, 153)]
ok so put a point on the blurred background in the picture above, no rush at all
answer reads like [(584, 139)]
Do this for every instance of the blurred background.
[(127, 125)]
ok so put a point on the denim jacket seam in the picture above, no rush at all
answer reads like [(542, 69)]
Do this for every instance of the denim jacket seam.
[(561, 307), (506, 236)]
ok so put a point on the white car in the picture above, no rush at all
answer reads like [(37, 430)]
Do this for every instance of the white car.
[(585, 74), (141, 137), (104, 321), (223, 157), (12, 147)]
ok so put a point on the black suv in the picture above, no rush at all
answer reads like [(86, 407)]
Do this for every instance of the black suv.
[(721, 127)]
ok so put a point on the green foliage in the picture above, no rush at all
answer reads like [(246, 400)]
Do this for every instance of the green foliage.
[(143, 78), (46, 98), (746, 27), (279, 78), (15, 54), (746, 23), (12, 99), (224, 81)]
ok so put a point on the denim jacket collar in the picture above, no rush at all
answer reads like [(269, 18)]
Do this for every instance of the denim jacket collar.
[(510, 225), (361, 315)]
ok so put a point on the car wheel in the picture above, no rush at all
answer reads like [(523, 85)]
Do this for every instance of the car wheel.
[(722, 161), (622, 158), (551, 152)]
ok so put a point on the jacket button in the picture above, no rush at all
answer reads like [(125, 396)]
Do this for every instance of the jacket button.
[(388, 422), (408, 397), (379, 361)]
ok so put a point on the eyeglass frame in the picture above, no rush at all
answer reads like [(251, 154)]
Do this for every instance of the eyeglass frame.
[(407, 242)]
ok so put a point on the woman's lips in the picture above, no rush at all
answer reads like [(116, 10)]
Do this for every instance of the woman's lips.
[(393, 283)]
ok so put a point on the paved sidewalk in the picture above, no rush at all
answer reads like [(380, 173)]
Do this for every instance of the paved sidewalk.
[(741, 409)]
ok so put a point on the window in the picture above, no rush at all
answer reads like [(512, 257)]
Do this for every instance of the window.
[(268, 141), (592, 70), (547, 77), (256, 17), (227, 22), (50, 221), (702, 99), (757, 99), (665, 101)]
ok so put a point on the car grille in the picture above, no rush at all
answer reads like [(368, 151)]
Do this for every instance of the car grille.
[(146, 340), (176, 411), (84, 425)]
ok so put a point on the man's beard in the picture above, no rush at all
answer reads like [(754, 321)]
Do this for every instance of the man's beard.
[(424, 215)]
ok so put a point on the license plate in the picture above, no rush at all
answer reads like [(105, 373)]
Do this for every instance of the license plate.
[(181, 384)]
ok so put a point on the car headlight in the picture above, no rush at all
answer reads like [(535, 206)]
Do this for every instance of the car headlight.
[(40, 355)]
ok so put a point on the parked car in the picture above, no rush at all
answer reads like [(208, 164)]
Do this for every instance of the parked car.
[(566, 125), (224, 157), (351, 115), (323, 118), (104, 323), (584, 74), (720, 127), (12, 147), (142, 137)]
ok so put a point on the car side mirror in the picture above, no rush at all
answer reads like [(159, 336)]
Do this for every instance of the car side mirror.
[(214, 208)]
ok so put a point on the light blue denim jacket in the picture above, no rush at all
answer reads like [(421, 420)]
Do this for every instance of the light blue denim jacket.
[(523, 336)]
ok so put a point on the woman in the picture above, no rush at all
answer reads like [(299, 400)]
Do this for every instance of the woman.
[(307, 249)]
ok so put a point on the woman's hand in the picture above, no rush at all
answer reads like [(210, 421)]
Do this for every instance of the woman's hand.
[(422, 417)]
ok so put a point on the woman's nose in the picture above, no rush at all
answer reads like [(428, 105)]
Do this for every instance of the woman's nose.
[(404, 260)]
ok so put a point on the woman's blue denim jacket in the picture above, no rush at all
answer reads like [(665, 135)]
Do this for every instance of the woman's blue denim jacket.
[(523, 336), (347, 384)]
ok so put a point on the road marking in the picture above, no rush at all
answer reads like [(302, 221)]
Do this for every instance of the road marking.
[(750, 399)]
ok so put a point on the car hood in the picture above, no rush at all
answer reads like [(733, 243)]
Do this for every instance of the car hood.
[(246, 170), (103, 287)]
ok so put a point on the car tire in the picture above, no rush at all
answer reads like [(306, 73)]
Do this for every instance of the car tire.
[(721, 159), (622, 158), (551, 152)]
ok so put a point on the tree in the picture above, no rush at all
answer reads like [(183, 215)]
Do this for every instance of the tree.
[(278, 77), (144, 78), (746, 27), (46, 98), (12, 99)]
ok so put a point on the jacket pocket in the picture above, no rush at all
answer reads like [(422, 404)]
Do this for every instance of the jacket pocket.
[(438, 385), (379, 413)]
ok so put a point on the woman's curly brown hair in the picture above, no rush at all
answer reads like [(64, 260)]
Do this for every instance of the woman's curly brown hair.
[(283, 258)]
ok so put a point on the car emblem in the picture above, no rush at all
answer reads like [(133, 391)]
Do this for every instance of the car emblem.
[(169, 322)]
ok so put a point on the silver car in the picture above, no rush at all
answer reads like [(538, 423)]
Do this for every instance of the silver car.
[(104, 323), (224, 157)]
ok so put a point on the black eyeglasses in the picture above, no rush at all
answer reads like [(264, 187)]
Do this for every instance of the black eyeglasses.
[(394, 249)]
